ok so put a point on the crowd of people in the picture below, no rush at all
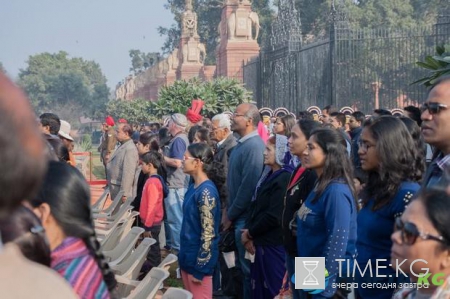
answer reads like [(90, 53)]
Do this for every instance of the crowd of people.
[(239, 200)]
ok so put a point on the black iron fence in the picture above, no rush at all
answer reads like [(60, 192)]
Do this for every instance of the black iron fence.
[(360, 68)]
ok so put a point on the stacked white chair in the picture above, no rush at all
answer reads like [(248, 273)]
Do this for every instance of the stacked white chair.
[(124, 248), (176, 293)]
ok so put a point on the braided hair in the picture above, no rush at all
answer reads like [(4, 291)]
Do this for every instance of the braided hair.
[(67, 193)]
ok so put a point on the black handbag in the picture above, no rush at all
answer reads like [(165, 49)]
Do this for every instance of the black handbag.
[(227, 242)]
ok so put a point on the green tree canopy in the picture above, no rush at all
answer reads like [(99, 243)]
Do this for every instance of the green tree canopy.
[(69, 87), (136, 111), (141, 61)]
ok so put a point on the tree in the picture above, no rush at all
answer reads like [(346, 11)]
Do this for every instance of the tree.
[(136, 111), (2, 69), (208, 15), (141, 61), (69, 87), (438, 66)]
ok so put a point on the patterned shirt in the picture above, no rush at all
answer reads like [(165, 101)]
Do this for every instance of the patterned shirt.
[(74, 262)]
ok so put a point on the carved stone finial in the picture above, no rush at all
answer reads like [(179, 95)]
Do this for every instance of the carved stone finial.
[(189, 5), (189, 21)]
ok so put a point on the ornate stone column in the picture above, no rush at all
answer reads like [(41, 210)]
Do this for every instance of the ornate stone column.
[(192, 52), (238, 30)]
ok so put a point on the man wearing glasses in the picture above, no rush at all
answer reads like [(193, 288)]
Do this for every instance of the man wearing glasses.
[(244, 169), (436, 131)]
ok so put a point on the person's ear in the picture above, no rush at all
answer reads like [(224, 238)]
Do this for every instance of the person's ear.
[(43, 212)]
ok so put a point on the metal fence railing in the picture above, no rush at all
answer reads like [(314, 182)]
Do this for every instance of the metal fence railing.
[(360, 68)]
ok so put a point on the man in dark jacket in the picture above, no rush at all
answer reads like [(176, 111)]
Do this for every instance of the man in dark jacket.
[(221, 133), (356, 121)]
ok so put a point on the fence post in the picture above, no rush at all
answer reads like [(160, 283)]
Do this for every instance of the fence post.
[(90, 166)]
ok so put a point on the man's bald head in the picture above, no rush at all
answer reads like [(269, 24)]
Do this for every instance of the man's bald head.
[(21, 148)]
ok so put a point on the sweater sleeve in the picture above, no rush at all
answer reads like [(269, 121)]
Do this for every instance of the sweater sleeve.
[(338, 212), (251, 171), (149, 200), (206, 205)]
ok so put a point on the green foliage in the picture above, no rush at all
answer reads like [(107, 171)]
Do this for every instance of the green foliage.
[(141, 61), (219, 95), (86, 143), (2, 69), (69, 87), (136, 111), (439, 65)]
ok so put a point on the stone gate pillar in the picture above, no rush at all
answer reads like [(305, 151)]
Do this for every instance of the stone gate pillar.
[(238, 33), (192, 52)]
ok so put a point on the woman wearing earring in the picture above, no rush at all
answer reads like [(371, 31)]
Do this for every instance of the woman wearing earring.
[(64, 206), (199, 235), (326, 222), (389, 155)]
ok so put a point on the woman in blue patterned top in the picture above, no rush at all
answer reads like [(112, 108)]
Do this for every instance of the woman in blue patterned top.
[(199, 235), (394, 165), (326, 222)]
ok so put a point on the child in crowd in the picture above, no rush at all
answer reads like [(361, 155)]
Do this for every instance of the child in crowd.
[(151, 210)]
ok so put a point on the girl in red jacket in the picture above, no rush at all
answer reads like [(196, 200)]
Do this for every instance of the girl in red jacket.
[(151, 210)]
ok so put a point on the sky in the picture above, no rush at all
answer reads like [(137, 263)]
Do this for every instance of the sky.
[(99, 30)]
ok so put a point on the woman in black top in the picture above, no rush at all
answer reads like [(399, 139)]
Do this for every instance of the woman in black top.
[(300, 185)]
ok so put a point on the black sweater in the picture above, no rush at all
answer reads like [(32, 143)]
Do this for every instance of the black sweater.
[(264, 222), (293, 199)]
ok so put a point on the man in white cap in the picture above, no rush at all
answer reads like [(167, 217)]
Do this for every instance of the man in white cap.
[(176, 178), (67, 140)]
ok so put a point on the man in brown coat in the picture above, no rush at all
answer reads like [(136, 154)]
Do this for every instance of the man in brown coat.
[(108, 141)]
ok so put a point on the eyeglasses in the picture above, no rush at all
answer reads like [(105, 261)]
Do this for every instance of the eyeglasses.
[(433, 107), (235, 115), (410, 233), (364, 145)]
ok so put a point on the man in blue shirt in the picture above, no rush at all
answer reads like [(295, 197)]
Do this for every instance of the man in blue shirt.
[(245, 166)]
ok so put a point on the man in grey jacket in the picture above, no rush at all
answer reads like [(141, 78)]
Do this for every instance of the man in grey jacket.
[(122, 164)]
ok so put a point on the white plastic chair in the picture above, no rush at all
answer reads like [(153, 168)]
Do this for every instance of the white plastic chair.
[(167, 261), (103, 231), (124, 248), (118, 211), (129, 224), (109, 210), (105, 218), (100, 203), (131, 266), (148, 287), (176, 293), (108, 242)]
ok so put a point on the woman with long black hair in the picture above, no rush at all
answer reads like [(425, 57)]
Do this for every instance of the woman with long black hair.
[(199, 235), (394, 164), (326, 222), (64, 206)]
